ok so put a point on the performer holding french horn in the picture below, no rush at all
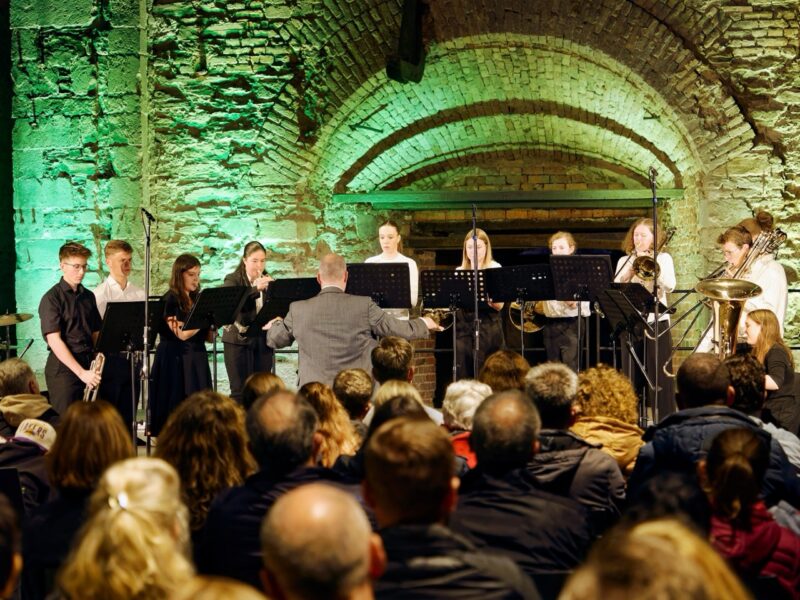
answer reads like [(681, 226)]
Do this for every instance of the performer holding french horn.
[(638, 266)]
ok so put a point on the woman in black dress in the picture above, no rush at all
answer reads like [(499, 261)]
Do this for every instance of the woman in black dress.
[(247, 355), (764, 335), (181, 364)]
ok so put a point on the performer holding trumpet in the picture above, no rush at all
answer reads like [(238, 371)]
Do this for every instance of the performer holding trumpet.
[(639, 267)]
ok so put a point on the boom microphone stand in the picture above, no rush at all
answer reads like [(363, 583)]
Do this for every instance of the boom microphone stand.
[(476, 323), (656, 303), (147, 221)]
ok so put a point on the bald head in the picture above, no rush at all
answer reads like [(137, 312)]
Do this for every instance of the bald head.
[(504, 430), (297, 537), (332, 270)]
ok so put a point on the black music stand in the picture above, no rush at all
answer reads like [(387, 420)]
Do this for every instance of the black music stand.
[(451, 290), (280, 294), (214, 308), (580, 278), (122, 331), (388, 284), (520, 284)]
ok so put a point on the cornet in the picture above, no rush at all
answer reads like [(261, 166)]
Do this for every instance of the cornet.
[(90, 393)]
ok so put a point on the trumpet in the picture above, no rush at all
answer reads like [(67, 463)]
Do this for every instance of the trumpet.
[(90, 393)]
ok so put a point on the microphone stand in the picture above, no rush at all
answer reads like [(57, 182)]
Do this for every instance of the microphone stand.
[(476, 323), (147, 221), (656, 340)]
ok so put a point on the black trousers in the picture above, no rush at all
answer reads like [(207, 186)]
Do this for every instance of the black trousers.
[(561, 341), (242, 360), (491, 340), (63, 386), (116, 386), (645, 348)]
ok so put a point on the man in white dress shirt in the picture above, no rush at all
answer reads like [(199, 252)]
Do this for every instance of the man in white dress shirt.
[(116, 383)]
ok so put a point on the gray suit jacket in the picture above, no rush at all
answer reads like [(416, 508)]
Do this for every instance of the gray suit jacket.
[(335, 331)]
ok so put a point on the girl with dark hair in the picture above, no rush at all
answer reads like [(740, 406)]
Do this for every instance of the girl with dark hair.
[(742, 529), (245, 355), (391, 244), (180, 367), (764, 336)]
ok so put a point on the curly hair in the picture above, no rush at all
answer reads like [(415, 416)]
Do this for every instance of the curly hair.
[(205, 440), (135, 543), (605, 392), (338, 435)]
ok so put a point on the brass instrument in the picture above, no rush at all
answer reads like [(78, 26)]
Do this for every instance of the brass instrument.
[(90, 393), (645, 267), (530, 319), (727, 297), (443, 317)]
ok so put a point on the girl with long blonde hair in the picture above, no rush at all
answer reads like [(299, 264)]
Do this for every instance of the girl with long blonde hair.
[(338, 435)]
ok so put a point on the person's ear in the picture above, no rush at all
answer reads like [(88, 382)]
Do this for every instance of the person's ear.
[(316, 446), (730, 396), (536, 447), (410, 374), (319, 279), (701, 467), (450, 500), (377, 556)]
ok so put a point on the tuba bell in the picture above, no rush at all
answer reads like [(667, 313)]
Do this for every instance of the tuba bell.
[(727, 297)]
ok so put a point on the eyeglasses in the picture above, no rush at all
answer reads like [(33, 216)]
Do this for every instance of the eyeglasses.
[(77, 266)]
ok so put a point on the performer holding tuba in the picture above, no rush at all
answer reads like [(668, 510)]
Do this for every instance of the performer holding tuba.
[(245, 355), (639, 267)]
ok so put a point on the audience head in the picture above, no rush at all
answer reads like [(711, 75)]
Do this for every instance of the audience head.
[(91, 437), (259, 384), (332, 271), (205, 587), (461, 399), (702, 380), (410, 473), (671, 495), (353, 388), (605, 392), (747, 379), (399, 406), (135, 542), (395, 388), (733, 472), (333, 425), (298, 536), (392, 358), (661, 560), (552, 387), (505, 432), (10, 548), (763, 332), (504, 370), (205, 441), (282, 430), (16, 377)]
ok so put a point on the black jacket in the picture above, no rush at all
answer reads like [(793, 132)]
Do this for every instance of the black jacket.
[(433, 562), (567, 465), (28, 458), (247, 313)]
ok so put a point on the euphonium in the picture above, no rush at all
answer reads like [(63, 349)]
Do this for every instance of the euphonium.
[(89, 393)]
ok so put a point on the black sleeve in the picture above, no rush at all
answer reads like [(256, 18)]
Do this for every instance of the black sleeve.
[(171, 308), (95, 320), (776, 364), (50, 314)]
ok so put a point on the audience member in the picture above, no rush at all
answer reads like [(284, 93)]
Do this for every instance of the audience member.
[(20, 397), (10, 556), (205, 440), (504, 370), (660, 560), (394, 388), (282, 429), (353, 388), (567, 464), (216, 588), (337, 435), (135, 542), (317, 544), (461, 399), (501, 506), (26, 452), (741, 528), (260, 384), (678, 441), (748, 382), (608, 409), (411, 485), (91, 437)]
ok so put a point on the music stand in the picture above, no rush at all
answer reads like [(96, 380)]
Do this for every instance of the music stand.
[(122, 331), (580, 278), (280, 294), (452, 290), (214, 308), (521, 284), (388, 284)]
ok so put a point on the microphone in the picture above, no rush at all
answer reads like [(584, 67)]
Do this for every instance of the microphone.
[(147, 214), (653, 173)]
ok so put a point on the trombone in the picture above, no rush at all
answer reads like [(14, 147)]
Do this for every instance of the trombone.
[(90, 393)]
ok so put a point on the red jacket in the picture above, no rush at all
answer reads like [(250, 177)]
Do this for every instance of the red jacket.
[(764, 549), (461, 447)]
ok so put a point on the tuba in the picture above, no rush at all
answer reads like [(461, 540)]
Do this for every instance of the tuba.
[(727, 297), (89, 393), (530, 319)]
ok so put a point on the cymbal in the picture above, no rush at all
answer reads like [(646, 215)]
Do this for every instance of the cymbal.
[(14, 318)]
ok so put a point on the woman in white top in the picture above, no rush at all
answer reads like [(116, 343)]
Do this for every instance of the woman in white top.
[(391, 242), (639, 242), (491, 329)]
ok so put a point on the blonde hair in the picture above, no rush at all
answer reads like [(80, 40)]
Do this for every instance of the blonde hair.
[(605, 392), (338, 435), (394, 388), (204, 587), (656, 560), (770, 334), (135, 542), (562, 235), (482, 236)]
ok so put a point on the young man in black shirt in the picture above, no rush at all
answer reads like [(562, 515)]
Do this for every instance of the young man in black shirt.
[(70, 324)]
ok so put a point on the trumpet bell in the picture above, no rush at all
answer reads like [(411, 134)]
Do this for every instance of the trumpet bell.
[(722, 289), (727, 297)]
